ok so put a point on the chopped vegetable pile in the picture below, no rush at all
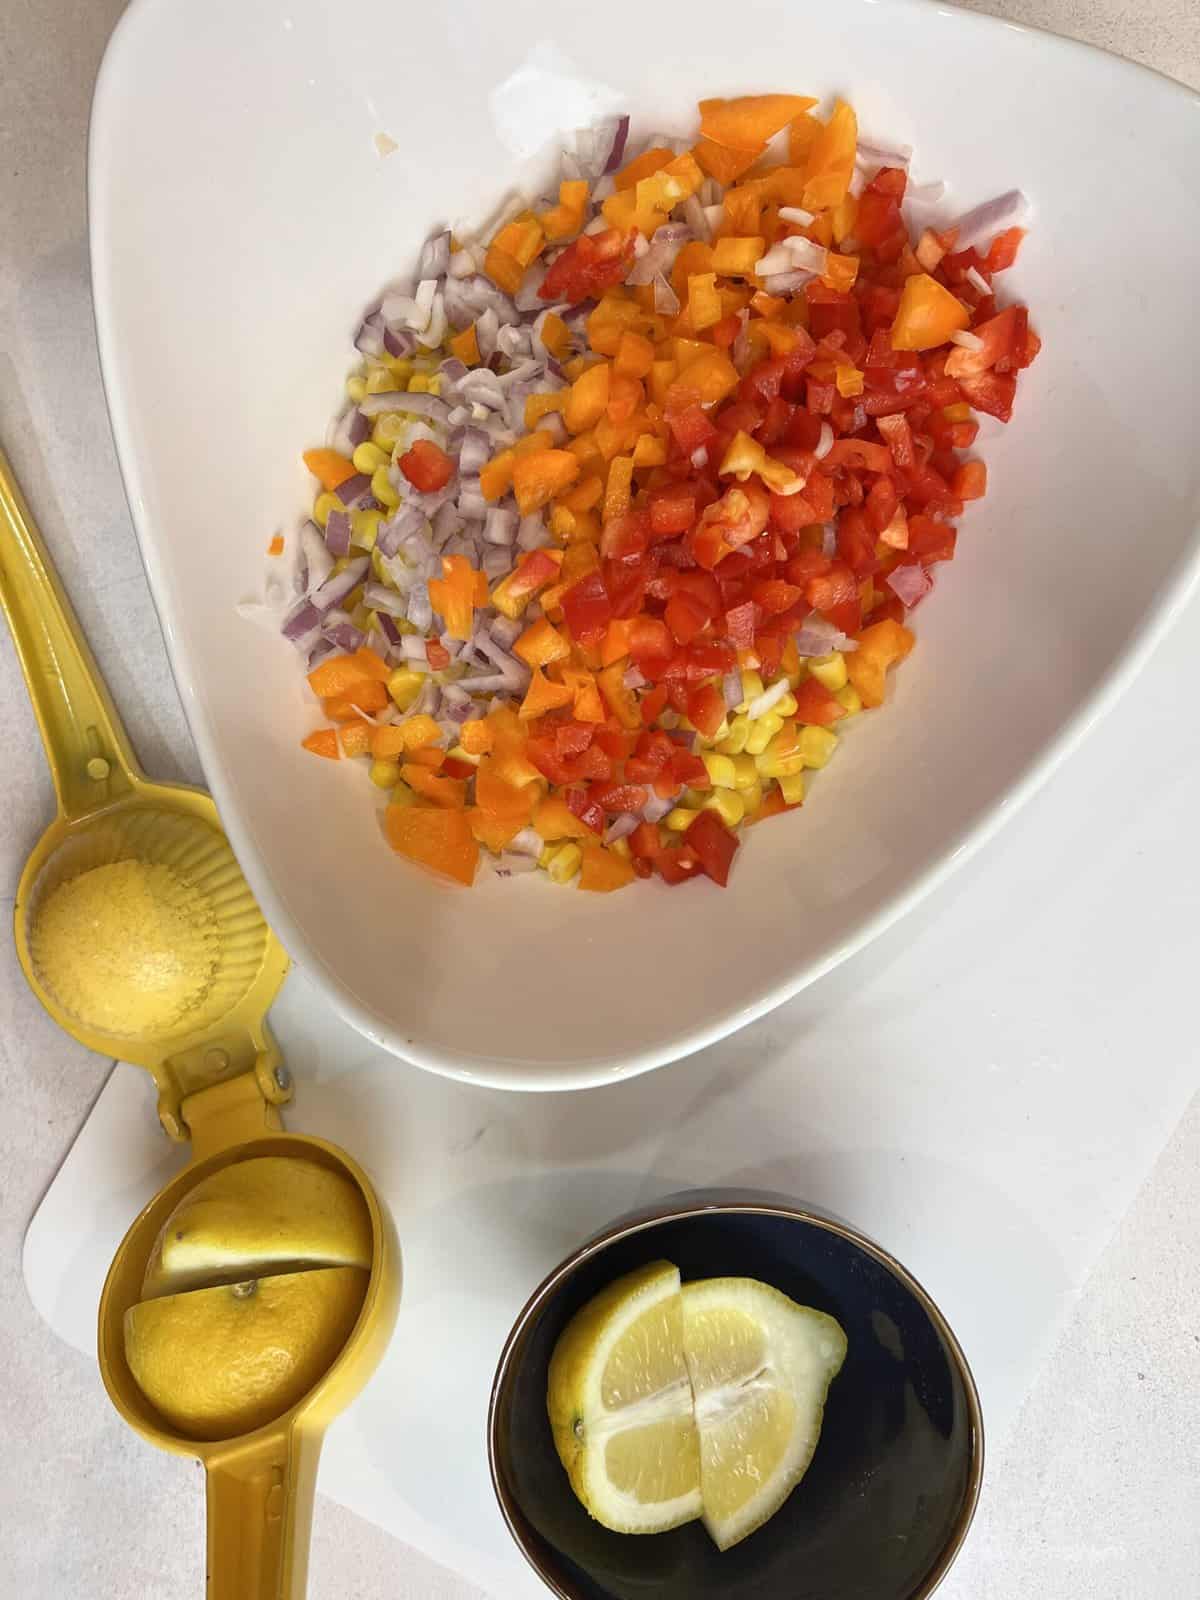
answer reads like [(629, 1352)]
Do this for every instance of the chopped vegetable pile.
[(631, 502)]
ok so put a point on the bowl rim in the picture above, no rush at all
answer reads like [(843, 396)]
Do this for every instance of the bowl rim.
[(676, 1208)]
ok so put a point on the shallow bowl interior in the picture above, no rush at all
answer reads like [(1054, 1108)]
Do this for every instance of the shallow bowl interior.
[(241, 218)]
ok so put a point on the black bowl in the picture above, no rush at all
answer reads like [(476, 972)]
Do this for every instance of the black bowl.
[(888, 1499)]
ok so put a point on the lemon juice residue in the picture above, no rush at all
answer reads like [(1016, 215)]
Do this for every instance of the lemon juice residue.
[(129, 947)]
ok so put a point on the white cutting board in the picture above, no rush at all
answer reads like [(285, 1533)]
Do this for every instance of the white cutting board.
[(982, 1090)]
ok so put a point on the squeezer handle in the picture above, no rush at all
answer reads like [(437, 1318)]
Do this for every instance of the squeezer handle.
[(86, 745), (260, 1503)]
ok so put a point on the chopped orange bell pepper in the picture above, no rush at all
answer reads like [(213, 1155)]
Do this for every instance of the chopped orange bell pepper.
[(522, 239), (475, 736), (491, 830), (649, 451), (734, 256), (880, 646), (504, 270), (332, 468), (324, 742), (745, 457), (355, 738), (566, 218), (621, 701), (830, 163), (616, 641), (437, 839), (540, 644), (533, 572), (709, 378), (543, 696), (723, 164), (556, 336), (635, 355), (751, 119), (588, 398), (643, 166), (604, 870), (840, 271), (340, 674), (449, 793), (803, 133), (495, 479), (502, 798), (465, 346), (850, 382), (538, 478), (928, 314), (704, 303), (540, 405), (587, 705), (554, 819), (456, 594), (618, 492)]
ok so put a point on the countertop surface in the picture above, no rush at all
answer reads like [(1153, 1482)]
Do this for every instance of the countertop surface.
[(1097, 1493)]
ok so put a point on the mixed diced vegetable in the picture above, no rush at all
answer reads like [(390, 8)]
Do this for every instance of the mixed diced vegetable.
[(631, 502)]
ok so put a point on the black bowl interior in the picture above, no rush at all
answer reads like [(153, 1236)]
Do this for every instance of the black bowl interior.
[(891, 1484)]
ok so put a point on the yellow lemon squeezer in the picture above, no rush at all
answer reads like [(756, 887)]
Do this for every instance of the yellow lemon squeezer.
[(183, 992)]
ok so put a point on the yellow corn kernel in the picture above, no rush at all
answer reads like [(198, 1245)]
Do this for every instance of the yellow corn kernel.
[(728, 804), (367, 457), (566, 862), (849, 697), (381, 488), (459, 754), (704, 743), (817, 745), (400, 368), (388, 430), (418, 384), (402, 795), (385, 774), (620, 847), (547, 856), (745, 772), (364, 528), (735, 741), (787, 706), (356, 388), (323, 505), (720, 769), (752, 687), (830, 670), (380, 378), (693, 799), (752, 799), (770, 766), (435, 383), (681, 819), (762, 732), (792, 789), (404, 685)]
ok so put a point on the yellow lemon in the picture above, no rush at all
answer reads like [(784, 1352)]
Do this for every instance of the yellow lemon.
[(223, 1361), (760, 1367), (620, 1405), (256, 1216)]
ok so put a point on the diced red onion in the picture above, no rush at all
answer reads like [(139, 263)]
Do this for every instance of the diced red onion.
[(659, 255), (492, 683), (527, 297), (633, 678), (977, 281), (320, 649), (500, 526), (399, 343), (406, 522), (337, 533), (780, 283), (656, 808), (369, 338), (471, 503), (434, 260), (805, 255), (445, 523), (420, 608), (420, 405), (528, 842), (621, 827), (797, 215), (412, 647), (553, 424), (487, 329), (482, 388), (825, 443), (968, 340), (346, 636), (617, 148), (879, 155), (339, 584), (697, 221), (510, 865), (380, 598), (506, 631), (731, 688), (533, 534), (316, 555), (909, 583), (462, 263), (714, 215), (776, 260), (450, 374), (984, 222), (514, 342), (700, 457), (817, 637), (496, 563), (762, 703), (666, 301), (354, 491), (302, 620), (388, 628), (829, 540)]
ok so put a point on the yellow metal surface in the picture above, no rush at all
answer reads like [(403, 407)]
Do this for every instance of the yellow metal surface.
[(220, 1078)]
